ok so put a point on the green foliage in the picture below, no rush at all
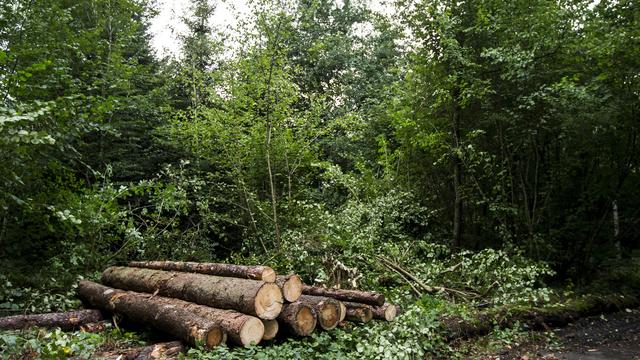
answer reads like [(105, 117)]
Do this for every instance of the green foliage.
[(60, 345)]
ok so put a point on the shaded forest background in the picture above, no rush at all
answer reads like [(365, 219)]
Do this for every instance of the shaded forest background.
[(496, 138)]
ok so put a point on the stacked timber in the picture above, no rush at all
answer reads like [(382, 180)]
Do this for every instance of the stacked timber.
[(209, 304)]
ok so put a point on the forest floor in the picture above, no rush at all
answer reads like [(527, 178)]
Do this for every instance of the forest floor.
[(606, 337)]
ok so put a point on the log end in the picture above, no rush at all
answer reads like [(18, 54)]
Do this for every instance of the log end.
[(305, 320), (268, 302), (329, 315), (367, 315), (215, 337), (271, 328), (252, 331), (292, 288), (390, 313), (343, 311), (268, 275)]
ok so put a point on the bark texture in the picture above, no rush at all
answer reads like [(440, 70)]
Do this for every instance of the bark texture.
[(365, 297), (358, 312), (172, 316), (66, 321), (241, 329), (251, 297), (262, 273), (298, 318), (327, 310), (291, 287)]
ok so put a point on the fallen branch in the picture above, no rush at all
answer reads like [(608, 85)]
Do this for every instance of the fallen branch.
[(71, 320)]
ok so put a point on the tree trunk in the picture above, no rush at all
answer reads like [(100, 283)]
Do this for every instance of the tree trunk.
[(270, 329), (165, 351), (386, 312), (365, 297), (250, 297), (172, 316), (357, 312), (457, 174), (327, 310), (298, 318), (241, 329), (263, 273), (71, 320), (291, 287)]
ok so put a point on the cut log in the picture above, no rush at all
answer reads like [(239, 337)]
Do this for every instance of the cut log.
[(343, 311), (358, 312), (251, 297), (262, 273), (291, 287), (365, 297), (241, 329), (270, 329), (327, 310), (386, 312), (165, 351), (172, 316), (71, 320), (298, 318)]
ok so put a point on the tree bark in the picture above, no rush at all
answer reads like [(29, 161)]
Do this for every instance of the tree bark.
[(270, 329), (291, 286), (164, 351), (365, 297), (327, 310), (298, 318), (172, 316), (71, 320), (250, 297), (458, 205), (263, 273), (358, 312), (241, 329)]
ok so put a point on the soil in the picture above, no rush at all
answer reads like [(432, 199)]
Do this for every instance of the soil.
[(607, 337)]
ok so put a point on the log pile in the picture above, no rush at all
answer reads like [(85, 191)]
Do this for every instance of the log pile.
[(210, 304)]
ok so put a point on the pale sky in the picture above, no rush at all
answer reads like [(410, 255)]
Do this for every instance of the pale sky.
[(167, 25)]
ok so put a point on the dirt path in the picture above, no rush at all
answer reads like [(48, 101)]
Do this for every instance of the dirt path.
[(607, 337), (613, 336)]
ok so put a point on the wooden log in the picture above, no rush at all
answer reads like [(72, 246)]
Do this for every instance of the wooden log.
[(291, 286), (365, 297), (165, 351), (343, 311), (71, 320), (241, 329), (327, 310), (270, 329), (251, 297), (257, 272), (298, 318), (358, 312), (172, 316), (386, 312)]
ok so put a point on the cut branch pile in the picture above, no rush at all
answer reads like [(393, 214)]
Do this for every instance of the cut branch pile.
[(207, 304)]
